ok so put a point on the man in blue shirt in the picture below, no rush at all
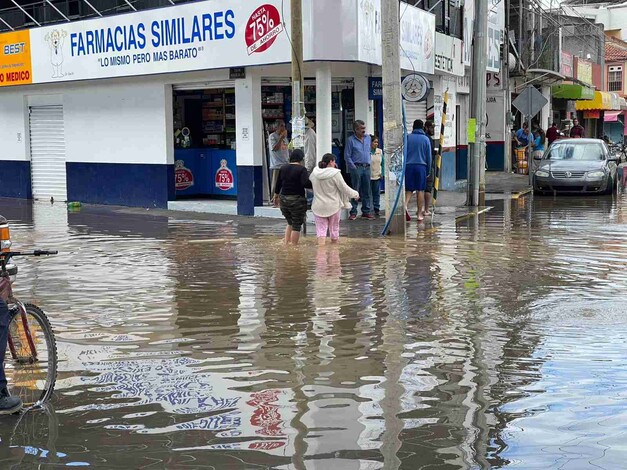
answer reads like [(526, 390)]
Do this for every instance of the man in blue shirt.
[(357, 157), (418, 166), (522, 135)]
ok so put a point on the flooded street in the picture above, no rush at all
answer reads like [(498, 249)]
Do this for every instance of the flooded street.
[(497, 341)]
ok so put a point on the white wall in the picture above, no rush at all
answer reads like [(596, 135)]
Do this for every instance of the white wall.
[(129, 120), (105, 121), (13, 127)]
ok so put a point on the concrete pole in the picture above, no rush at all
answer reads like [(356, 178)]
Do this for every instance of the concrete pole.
[(392, 112), (298, 85), (324, 112), (478, 104)]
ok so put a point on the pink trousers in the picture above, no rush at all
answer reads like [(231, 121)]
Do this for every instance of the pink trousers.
[(332, 224)]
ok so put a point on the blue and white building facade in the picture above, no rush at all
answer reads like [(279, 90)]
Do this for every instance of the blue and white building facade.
[(95, 120)]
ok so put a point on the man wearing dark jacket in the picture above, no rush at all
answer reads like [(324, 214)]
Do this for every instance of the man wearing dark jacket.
[(418, 164)]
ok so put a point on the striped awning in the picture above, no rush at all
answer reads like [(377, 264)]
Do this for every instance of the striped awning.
[(602, 101)]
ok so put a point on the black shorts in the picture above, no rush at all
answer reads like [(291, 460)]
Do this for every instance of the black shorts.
[(430, 182), (294, 209)]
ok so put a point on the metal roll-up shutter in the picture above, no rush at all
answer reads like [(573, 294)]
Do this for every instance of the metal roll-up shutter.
[(413, 111), (47, 151), (203, 85)]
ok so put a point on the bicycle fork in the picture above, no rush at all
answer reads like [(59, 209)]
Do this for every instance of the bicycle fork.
[(29, 336)]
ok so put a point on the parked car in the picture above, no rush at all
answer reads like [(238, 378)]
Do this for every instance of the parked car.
[(576, 166)]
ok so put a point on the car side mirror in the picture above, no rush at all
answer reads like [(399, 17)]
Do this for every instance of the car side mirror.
[(537, 157)]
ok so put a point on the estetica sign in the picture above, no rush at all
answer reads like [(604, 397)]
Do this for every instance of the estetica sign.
[(448, 55)]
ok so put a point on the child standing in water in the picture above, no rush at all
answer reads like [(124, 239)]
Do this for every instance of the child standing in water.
[(376, 156), (330, 194)]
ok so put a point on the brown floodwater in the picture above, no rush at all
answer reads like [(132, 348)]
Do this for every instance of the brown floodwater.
[(496, 341)]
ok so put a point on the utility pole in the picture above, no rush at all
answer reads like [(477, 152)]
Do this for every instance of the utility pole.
[(392, 112), (478, 103), (298, 85)]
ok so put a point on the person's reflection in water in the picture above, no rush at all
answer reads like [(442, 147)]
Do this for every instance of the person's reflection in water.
[(29, 440), (327, 298)]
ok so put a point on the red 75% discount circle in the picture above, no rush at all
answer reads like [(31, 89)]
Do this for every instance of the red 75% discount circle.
[(263, 27)]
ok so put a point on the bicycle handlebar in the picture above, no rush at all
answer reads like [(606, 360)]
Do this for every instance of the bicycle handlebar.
[(6, 256), (11, 254)]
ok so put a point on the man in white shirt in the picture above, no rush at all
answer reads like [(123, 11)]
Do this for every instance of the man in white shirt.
[(311, 156), (279, 154)]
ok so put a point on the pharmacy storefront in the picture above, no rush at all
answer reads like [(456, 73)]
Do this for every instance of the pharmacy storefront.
[(176, 103)]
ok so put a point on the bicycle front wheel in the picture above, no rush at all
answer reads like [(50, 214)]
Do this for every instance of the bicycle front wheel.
[(30, 362)]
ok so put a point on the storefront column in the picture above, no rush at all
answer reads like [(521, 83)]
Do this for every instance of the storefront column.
[(364, 110), (249, 140), (324, 110), (546, 113)]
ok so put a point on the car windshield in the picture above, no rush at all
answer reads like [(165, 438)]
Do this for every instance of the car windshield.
[(578, 152)]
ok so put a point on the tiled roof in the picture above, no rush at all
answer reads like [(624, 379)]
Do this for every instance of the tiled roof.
[(615, 49)]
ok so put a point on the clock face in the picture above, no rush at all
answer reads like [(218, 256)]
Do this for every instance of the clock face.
[(414, 87)]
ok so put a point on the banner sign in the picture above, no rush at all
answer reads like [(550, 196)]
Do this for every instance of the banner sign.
[(566, 65), (496, 27), (15, 63), (469, 25), (196, 36), (448, 55), (417, 39)]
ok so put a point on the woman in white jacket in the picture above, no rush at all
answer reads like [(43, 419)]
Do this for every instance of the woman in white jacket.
[(331, 194)]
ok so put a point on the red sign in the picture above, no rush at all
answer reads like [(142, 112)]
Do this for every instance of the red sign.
[(183, 177), (592, 114), (224, 177), (264, 25)]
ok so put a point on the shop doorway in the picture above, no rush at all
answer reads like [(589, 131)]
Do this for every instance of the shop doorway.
[(204, 147), (276, 105)]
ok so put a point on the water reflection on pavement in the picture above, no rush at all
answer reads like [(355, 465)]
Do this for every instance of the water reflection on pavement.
[(497, 341)]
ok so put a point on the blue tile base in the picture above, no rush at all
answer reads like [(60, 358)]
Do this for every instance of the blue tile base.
[(15, 179), (249, 189), (121, 184)]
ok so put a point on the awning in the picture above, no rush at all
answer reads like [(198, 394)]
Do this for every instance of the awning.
[(612, 116), (602, 101), (568, 91)]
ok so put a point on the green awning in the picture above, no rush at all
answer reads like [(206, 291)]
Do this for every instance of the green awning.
[(572, 92)]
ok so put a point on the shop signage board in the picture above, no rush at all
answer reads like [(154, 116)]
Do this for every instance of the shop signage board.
[(196, 36), (15, 62), (375, 88), (369, 31), (566, 65), (496, 26), (414, 87), (469, 25), (584, 71), (417, 39), (448, 55), (495, 116), (237, 72)]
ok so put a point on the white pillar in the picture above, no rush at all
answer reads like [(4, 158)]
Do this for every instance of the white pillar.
[(249, 125), (546, 113), (249, 143), (324, 112), (364, 109)]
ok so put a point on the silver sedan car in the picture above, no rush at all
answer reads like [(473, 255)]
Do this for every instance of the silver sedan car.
[(576, 166)]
